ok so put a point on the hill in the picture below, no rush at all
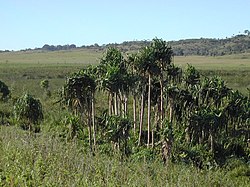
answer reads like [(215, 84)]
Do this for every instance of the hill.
[(212, 47), (203, 46)]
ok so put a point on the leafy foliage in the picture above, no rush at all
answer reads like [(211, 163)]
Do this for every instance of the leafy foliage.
[(29, 109), (4, 90)]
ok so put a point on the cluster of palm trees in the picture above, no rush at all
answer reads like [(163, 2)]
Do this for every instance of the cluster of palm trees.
[(203, 109)]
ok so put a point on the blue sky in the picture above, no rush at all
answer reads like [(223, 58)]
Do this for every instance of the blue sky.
[(33, 23)]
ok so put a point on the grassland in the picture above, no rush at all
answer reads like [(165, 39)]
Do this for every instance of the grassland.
[(45, 159), (21, 70), (234, 69), (55, 57)]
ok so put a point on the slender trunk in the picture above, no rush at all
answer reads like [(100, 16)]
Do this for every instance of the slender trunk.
[(125, 105), (202, 134), (141, 117), (134, 111), (211, 141), (162, 99), (162, 109), (93, 118), (149, 108), (120, 104), (89, 129), (167, 107), (110, 104), (187, 134), (199, 134), (156, 125), (152, 136), (115, 103), (171, 111)]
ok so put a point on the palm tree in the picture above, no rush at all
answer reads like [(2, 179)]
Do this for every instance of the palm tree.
[(236, 107), (191, 76), (92, 72), (146, 65), (131, 58), (163, 57), (174, 74), (78, 93), (111, 78)]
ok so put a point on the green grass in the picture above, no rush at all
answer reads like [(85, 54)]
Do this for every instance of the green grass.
[(46, 160), (55, 57), (227, 62), (21, 70), (234, 69)]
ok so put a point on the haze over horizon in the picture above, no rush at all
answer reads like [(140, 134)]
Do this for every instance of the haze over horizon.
[(31, 24)]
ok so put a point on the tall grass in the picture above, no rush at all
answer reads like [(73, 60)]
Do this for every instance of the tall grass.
[(47, 160)]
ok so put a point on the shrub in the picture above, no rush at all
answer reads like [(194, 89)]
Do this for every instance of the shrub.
[(28, 111), (4, 91)]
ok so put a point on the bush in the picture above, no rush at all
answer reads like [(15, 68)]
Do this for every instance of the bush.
[(144, 154), (237, 167), (28, 111), (4, 90)]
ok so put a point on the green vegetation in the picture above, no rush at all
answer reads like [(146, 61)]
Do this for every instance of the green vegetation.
[(212, 47), (4, 90), (132, 119), (204, 46), (28, 111), (47, 160)]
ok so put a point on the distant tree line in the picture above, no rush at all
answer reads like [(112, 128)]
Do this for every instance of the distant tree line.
[(212, 47), (58, 47), (204, 46)]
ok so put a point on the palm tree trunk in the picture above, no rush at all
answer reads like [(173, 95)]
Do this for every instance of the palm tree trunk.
[(93, 118), (110, 103), (149, 108), (134, 111), (162, 102), (202, 134), (211, 141), (115, 103), (125, 105), (120, 103), (89, 129), (155, 127), (171, 111), (141, 117)]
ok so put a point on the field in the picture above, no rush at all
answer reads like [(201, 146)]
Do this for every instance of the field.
[(23, 69), (46, 159), (234, 69)]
